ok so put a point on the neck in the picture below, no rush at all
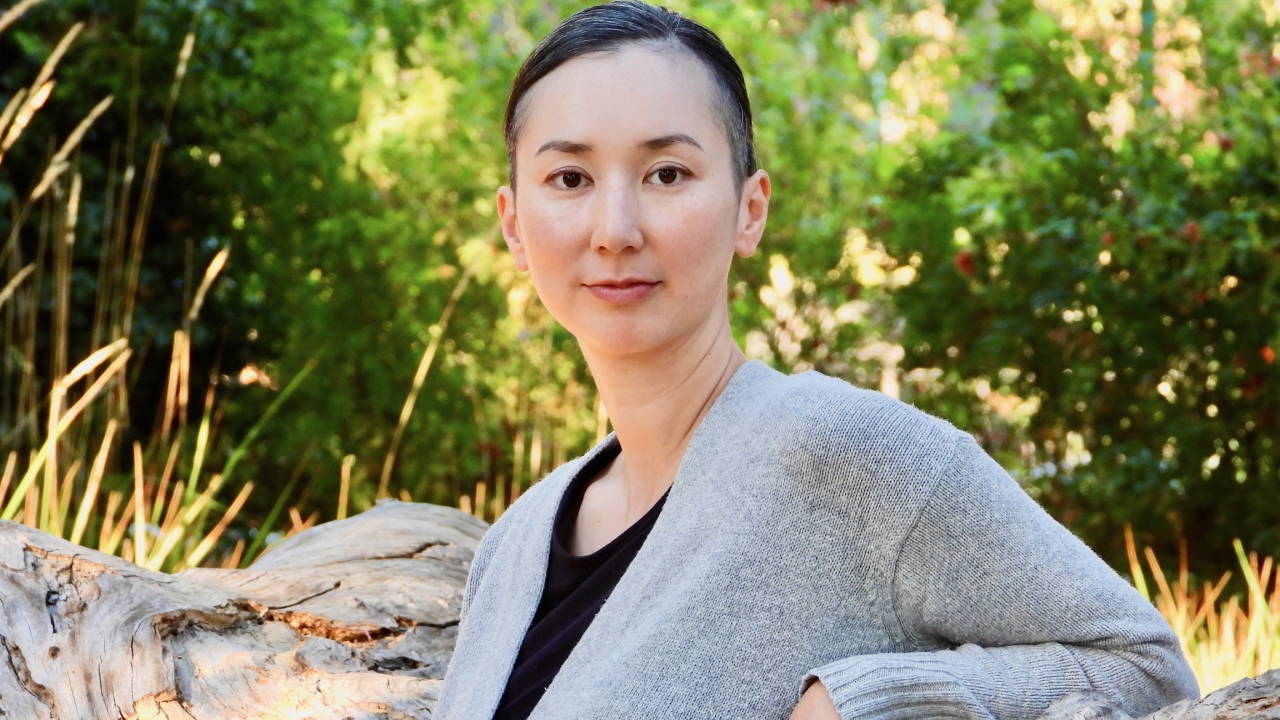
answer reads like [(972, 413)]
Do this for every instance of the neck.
[(657, 400)]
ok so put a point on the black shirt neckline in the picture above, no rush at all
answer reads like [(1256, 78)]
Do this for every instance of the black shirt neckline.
[(575, 589), (571, 505)]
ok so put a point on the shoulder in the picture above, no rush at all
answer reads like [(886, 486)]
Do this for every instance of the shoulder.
[(818, 414)]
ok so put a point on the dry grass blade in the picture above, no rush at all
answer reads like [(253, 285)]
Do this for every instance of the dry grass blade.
[(1228, 642), (297, 524), (178, 530), (55, 57), (165, 477), (1135, 567), (26, 111), (118, 528), (95, 480), (233, 562), (108, 519), (15, 102), (8, 474), (13, 284), (64, 422), (62, 500), (40, 89), (210, 274), (171, 514), (139, 508), (206, 544), (91, 363), (11, 15), (59, 163)]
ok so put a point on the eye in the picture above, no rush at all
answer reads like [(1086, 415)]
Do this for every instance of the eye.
[(569, 180), (667, 175)]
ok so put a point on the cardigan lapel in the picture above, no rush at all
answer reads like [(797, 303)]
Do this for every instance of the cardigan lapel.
[(509, 594), (687, 492)]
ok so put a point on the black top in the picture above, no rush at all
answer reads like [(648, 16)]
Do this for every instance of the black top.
[(575, 590)]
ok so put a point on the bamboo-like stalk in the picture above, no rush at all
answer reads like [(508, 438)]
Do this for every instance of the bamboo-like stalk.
[(95, 480), (344, 486), (419, 377), (139, 237), (260, 540)]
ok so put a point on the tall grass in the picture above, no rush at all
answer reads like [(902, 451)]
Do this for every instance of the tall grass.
[(1224, 639), (68, 469)]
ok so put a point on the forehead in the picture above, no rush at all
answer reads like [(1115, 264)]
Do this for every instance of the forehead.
[(628, 95)]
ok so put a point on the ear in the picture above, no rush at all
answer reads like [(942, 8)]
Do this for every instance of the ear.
[(753, 212), (506, 201)]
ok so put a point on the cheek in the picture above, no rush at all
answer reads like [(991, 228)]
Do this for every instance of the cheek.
[(552, 249), (698, 235), (550, 235)]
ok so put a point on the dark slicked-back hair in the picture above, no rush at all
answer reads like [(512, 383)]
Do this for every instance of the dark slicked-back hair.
[(606, 28)]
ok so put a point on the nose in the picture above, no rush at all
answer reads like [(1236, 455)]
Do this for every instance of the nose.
[(617, 227)]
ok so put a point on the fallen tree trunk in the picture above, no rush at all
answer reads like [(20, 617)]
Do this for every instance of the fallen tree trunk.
[(351, 619), (1252, 699)]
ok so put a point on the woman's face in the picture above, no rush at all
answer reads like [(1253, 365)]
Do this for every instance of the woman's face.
[(627, 213)]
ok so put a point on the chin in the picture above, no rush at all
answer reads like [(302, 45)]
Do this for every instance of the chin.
[(620, 337)]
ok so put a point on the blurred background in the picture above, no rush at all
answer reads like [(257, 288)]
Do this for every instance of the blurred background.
[(252, 276)]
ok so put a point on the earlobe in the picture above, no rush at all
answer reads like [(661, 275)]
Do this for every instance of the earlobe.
[(753, 213), (506, 204)]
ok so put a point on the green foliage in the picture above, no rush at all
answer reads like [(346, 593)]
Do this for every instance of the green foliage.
[(1010, 214), (1126, 280)]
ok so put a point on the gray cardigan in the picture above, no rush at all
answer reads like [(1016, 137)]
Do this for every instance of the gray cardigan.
[(818, 530)]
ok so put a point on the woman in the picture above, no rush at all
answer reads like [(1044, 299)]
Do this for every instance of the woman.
[(748, 544)]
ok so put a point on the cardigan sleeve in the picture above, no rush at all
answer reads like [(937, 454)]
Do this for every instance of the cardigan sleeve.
[(1014, 611)]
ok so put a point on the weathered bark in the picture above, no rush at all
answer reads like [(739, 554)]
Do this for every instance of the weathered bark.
[(351, 619), (1254, 698)]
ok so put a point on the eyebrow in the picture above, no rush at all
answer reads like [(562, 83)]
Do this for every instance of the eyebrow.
[(576, 148), (667, 141), (565, 146)]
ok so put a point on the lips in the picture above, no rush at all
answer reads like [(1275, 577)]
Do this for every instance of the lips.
[(623, 291)]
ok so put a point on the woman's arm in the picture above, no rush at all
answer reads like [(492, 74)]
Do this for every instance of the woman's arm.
[(1021, 611)]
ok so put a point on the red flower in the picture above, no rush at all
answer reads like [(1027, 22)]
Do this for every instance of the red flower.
[(964, 261), (1108, 238), (1268, 355), (1192, 231), (1225, 143)]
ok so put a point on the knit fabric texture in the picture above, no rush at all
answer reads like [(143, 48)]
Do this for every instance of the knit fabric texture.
[(816, 530)]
